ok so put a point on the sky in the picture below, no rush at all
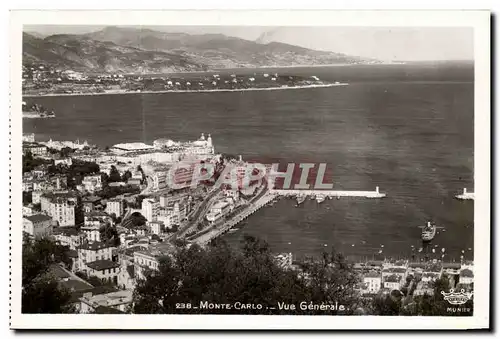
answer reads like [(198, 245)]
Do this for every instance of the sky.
[(383, 43)]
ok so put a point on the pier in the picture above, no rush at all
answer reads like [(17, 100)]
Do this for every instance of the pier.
[(465, 195), (226, 226), (331, 193)]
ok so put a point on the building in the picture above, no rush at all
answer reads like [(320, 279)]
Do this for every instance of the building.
[(150, 209), (91, 203), (218, 210), (373, 282), (63, 211), (116, 207), (393, 282), (424, 288), (93, 251), (429, 277), (92, 183), (38, 225), (29, 137), (35, 149), (159, 180), (149, 259), (68, 237), (131, 147), (92, 232), (63, 161), (466, 276), (284, 260), (118, 301), (156, 227), (104, 269)]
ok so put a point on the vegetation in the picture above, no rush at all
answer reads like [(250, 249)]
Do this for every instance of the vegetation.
[(112, 191), (40, 291), (109, 233), (219, 274), (30, 162)]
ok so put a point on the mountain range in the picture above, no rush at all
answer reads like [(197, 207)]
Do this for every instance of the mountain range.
[(134, 50)]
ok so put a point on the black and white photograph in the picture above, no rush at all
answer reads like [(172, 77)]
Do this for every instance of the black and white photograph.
[(305, 167)]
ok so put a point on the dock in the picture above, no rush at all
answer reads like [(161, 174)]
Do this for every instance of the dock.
[(465, 195), (274, 194), (219, 230), (331, 193)]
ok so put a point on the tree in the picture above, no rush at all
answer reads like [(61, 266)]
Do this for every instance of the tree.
[(127, 175), (219, 274), (109, 233), (114, 175), (40, 291)]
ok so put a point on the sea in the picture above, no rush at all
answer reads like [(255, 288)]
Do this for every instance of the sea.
[(408, 129)]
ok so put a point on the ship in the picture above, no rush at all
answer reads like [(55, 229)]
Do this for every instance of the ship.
[(36, 111), (428, 232), (320, 198)]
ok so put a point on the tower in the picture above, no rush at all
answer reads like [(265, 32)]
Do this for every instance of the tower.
[(202, 136), (209, 141)]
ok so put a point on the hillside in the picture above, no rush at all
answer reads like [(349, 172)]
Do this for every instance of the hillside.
[(132, 50)]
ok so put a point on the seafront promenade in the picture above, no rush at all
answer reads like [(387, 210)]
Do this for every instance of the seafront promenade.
[(219, 230)]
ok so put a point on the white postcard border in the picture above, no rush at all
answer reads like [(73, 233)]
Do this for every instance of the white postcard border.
[(479, 20)]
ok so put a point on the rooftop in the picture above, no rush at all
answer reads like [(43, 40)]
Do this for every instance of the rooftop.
[(467, 273), (133, 146), (393, 278), (100, 265), (38, 218), (372, 275), (94, 246)]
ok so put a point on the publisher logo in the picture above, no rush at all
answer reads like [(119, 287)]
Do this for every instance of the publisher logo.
[(457, 298)]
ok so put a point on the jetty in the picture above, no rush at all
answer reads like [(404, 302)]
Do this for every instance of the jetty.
[(330, 193), (226, 226), (465, 195)]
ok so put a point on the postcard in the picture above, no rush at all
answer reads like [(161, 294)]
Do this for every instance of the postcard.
[(250, 169)]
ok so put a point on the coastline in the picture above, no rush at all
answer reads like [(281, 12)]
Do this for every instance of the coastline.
[(185, 91)]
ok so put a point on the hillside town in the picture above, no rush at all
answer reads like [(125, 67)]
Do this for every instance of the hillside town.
[(42, 79), (114, 211)]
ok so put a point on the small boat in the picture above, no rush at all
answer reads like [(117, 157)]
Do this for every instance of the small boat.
[(300, 199), (428, 232), (320, 198)]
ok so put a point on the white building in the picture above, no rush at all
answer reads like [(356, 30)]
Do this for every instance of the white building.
[(373, 282), (38, 225), (28, 137), (63, 211), (218, 210), (119, 301), (393, 282), (131, 147), (156, 227), (92, 233), (150, 209), (93, 251), (104, 269), (115, 206), (466, 276), (92, 183)]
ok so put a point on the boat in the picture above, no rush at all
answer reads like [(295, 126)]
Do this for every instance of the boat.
[(300, 199), (36, 111), (428, 232), (320, 198)]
